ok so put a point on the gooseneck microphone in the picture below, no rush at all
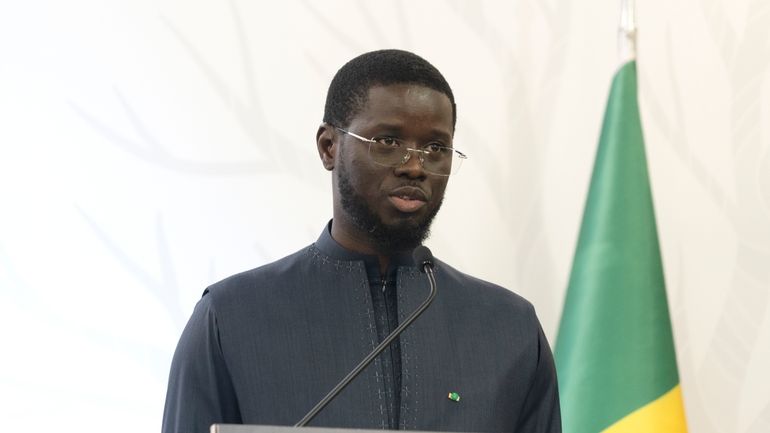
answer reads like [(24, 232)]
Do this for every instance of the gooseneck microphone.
[(424, 260)]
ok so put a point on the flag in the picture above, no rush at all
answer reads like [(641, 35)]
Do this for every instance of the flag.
[(615, 350)]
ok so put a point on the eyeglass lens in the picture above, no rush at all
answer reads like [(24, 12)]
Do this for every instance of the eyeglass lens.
[(437, 162)]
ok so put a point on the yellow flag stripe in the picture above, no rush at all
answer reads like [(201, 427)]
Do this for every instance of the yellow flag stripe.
[(665, 414)]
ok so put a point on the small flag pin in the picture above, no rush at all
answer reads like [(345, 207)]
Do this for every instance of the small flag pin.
[(454, 396)]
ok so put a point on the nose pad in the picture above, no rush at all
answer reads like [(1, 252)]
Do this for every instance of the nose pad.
[(408, 156), (411, 169)]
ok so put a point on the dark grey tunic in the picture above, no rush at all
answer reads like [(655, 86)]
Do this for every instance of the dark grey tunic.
[(263, 346)]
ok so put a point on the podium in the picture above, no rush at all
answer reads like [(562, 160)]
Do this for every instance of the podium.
[(247, 428)]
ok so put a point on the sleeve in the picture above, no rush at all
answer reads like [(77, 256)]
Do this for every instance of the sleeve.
[(541, 411), (200, 389)]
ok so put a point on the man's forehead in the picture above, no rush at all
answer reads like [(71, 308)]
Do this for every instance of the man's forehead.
[(394, 103), (400, 90)]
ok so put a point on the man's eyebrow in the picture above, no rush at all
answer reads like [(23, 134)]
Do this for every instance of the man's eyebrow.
[(390, 126), (436, 133)]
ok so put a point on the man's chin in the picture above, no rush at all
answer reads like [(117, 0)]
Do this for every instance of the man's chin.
[(411, 221)]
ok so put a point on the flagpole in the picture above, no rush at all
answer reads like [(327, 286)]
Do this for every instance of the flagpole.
[(627, 31)]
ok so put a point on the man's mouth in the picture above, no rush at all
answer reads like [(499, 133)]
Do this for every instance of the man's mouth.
[(408, 199)]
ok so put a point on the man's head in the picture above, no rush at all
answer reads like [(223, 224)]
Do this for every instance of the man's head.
[(383, 209), (347, 92)]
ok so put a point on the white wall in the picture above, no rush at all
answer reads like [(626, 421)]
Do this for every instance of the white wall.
[(148, 149)]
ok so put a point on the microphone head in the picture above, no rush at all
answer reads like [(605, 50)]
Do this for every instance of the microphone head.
[(422, 257)]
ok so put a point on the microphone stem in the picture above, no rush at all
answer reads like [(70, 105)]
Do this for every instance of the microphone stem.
[(369, 358)]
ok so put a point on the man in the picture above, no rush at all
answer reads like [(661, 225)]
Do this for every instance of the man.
[(262, 347)]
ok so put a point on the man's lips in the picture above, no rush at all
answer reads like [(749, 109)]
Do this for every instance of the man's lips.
[(408, 198)]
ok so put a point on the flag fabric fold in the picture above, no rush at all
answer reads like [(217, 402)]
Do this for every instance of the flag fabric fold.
[(615, 350)]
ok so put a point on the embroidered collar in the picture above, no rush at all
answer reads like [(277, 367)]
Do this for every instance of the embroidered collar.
[(327, 245)]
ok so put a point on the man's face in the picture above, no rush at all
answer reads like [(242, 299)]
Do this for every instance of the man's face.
[(393, 206)]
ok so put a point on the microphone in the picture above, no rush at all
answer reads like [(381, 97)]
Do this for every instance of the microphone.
[(423, 258)]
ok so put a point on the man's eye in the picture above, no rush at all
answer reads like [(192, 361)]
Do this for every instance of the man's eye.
[(436, 148), (388, 141)]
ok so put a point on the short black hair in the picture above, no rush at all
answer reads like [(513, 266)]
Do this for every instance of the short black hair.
[(349, 88)]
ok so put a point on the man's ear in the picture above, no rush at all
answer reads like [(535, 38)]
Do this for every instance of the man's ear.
[(327, 147)]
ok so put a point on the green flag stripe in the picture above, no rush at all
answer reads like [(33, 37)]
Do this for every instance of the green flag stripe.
[(615, 351)]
